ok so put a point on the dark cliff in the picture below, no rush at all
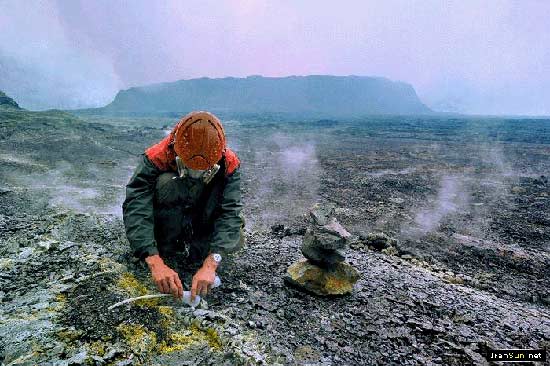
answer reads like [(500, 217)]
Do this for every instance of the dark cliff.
[(310, 95), (7, 103)]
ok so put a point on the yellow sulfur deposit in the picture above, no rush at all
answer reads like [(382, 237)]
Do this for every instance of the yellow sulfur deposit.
[(182, 339), (336, 285), (133, 287), (138, 338), (97, 348)]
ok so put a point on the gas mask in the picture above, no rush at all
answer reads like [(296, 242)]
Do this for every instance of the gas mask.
[(204, 175)]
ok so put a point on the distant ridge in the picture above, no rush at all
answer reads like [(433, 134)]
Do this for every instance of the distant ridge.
[(7, 102), (315, 95)]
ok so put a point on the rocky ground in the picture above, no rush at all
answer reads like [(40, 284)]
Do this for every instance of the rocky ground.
[(451, 235)]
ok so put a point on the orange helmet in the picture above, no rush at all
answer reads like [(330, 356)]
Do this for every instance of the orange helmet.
[(199, 140)]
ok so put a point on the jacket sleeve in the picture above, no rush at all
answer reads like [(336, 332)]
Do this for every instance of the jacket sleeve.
[(137, 209), (226, 237)]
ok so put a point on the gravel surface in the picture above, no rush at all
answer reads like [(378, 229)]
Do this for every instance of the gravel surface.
[(462, 267)]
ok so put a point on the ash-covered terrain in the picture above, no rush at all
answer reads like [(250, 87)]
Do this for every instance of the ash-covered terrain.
[(451, 226)]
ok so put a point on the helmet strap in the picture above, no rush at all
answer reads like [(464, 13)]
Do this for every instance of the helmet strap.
[(210, 173), (182, 169)]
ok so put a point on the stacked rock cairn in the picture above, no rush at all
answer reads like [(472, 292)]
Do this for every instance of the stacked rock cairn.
[(324, 271)]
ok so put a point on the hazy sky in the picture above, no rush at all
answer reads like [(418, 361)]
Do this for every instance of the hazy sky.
[(478, 56)]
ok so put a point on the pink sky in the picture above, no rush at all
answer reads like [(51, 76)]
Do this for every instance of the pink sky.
[(472, 56)]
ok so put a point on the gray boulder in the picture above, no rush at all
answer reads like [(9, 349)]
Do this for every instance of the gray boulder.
[(324, 239)]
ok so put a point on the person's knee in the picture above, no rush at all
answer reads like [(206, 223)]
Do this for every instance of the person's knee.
[(239, 246), (166, 189), (242, 239), (242, 236)]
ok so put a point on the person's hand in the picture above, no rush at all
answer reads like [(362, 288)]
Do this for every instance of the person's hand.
[(166, 279), (204, 278)]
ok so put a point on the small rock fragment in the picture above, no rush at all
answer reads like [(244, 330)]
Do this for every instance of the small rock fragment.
[(307, 354), (378, 241), (26, 253), (321, 213), (335, 228), (78, 359)]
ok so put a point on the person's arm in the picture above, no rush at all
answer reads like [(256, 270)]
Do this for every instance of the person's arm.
[(226, 236), (137, 209), (227, 226), (204, 278), (139, 222), (166, 279)]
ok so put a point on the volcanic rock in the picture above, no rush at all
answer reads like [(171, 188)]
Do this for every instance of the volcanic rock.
[(334, 227), (320, 256), (53, 305), (280, 230), (321, 213), (324, 271), (376, 240), (324, 239), (337, 280)]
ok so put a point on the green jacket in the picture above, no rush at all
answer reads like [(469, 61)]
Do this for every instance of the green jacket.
[(219, 201)]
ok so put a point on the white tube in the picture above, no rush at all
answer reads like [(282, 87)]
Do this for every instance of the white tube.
[(186, 299)]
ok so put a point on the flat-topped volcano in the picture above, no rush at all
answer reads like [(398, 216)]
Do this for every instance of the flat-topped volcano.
[(315, 95)]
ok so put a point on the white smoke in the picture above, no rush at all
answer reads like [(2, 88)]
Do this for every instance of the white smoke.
[(288, 174), (493, 156), (452, 197), (89, 189), (41, 67)]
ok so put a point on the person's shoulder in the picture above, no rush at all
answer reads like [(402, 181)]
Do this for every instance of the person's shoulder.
[(232, 161), (162, 154)]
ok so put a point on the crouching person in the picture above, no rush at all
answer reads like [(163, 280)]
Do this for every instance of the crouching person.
[(185, 196)]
